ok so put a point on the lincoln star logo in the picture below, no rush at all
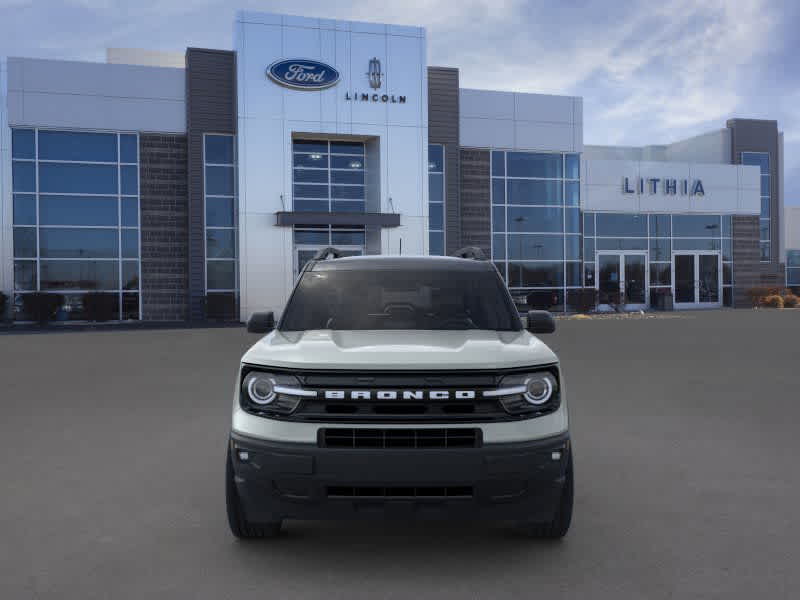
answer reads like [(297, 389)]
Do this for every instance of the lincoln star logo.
[(399, 395), (303, 74), (374, 74)]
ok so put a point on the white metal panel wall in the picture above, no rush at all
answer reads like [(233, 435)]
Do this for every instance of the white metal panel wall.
[(791, 227), (491, 119), (729, 189), (83, 95), (269, 115)]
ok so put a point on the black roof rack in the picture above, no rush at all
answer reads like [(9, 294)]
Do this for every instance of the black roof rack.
[(470, 252), (328, 253)]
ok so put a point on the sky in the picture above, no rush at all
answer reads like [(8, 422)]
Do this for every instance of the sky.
[(649, 72)]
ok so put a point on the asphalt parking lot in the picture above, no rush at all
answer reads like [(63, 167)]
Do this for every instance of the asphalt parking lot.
[(685, 430)]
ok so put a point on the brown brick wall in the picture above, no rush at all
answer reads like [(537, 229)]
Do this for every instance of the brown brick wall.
[(476, 220)]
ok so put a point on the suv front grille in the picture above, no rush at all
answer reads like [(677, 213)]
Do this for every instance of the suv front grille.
[(400, 492), (399, 438)]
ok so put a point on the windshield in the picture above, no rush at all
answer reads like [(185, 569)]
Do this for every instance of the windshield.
[(400, 299)]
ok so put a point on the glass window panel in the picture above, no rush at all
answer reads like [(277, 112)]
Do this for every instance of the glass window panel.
[(311, 237), (348, 238), (435, 158), (537, 219), (660, 249), (763, 229), (660, 226), (501, 269), (572, 192), (588, 249), (130, 307), (310, 146), (573, 166), (498, 218), (78, 146), (793, 277), (498, 247), (130, 212), (219, 181), (695, 244), (23, 176), (344, 162), (766, 251), (130, 243), (533, 274), (498, 191), (526, 191), (552, 300), (310, 191), (57, 242), (535, 247), (572, 220), (532, 164), (347, 148), (128, 148), (660, 274), (436, 188), (221, 274), (759, 159), (436, 216), (219, 149), (220, 243), (311, 205), (129, 183), (765, 185), (130, 274), (588, 224), (25, 275), (358, 177), (79, 275), (727, 273), (23, 143), (348, 206), (77, 179), (727, 226), (436, 243), (316, 161), (622, 225), (573, 274), (572, 245), (727, 249), (498, 163), (347, 192), (793, 258), (311, 175), (25, 242), (696, 225), (77, 210), (621, 243), (24, 209), (219, 212), (765, 208)]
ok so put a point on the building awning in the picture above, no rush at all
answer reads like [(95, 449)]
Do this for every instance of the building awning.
[(287, 219)]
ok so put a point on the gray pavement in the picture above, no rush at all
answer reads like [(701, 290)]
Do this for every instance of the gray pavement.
[(685, 431)]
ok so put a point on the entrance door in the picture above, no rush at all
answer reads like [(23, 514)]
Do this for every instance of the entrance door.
[(622, 279), (697, 279)]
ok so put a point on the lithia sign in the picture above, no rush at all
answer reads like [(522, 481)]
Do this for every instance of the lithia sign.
[(667, 186), (306, 74)]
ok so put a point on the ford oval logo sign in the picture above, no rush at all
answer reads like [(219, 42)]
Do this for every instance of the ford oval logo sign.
[(303, 74)]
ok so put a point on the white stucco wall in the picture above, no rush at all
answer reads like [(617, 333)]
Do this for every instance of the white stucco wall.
[(270, 114)]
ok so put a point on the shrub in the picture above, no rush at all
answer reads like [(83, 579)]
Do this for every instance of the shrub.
[(790, 301), (3, 306), (773, 301), (41, 306), (99, 306)]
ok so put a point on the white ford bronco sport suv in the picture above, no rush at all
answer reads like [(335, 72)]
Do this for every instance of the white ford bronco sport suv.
[(402, 387)]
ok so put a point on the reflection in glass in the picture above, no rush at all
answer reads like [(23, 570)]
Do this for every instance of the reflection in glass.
[(77, 210), (220, 243), (219, 149), (77, 146), (67, 178), (25, 242), (24, 209), (78, 243), (535, 247), (80, 275), (221, 274), (532, 274), (531, 164), (25, 275)]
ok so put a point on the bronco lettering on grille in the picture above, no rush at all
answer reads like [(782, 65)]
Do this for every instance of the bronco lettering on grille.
[(397, 394)]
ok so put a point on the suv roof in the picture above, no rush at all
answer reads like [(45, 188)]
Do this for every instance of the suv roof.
[(380, 262)]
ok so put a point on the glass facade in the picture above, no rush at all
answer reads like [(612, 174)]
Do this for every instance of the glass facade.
[(221, 223), (76, 219), (436, 199), (536, 225), (793, 268), (761, 160), (328, 176)]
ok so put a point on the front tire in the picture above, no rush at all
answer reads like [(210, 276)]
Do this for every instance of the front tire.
[(556, 528), (240, 526)]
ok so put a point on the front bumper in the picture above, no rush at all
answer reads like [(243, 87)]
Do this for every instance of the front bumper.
[(512, 481)]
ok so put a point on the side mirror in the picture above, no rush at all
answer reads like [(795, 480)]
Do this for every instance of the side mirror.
[(541, 321), (261, 322)]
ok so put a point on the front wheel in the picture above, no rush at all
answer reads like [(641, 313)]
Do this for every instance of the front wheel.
[(240, 526), (556, 528)]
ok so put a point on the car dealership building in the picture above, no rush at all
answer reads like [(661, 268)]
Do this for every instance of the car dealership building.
[(196, 186)]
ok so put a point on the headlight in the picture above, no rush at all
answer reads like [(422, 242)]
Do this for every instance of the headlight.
[(263, 392), (535, 393), (539, 388)]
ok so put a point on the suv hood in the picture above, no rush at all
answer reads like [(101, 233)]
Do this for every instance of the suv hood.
[(401, 350)]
